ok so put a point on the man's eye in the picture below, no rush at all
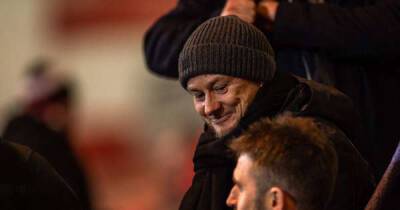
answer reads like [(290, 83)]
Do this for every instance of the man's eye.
[(237, 188), (220, 88), (198, 96), (240, 188)]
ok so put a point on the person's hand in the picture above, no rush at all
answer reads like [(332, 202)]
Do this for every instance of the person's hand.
[(267, 9), (244, 9)]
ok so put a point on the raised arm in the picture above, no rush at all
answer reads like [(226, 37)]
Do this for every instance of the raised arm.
[(164, 40), (166, 37), (363, 32)]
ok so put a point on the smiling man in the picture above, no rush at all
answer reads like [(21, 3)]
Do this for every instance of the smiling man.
[(221, 108), (283, 164), (228, 66)]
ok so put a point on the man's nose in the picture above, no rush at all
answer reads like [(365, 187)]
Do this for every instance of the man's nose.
[(231, 200), (211, 105)]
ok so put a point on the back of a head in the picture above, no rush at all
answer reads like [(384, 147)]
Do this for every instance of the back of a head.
[(45, 85), (294, 155), (229, 46)]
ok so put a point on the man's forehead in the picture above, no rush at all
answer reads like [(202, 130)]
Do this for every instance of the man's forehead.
[(212, 78), (206, 79), (243, 166), (245, 161)]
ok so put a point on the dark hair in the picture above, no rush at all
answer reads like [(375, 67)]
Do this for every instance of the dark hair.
[(294, 154), (62, 92)]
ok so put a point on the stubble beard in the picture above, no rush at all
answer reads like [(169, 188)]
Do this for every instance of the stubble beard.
[(219, 134), (259, 203)]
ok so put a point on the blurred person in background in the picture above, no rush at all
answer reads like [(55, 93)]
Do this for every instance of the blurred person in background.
[(228, 67), (29, 182), (286, 163), (350, 44), (43, 123)]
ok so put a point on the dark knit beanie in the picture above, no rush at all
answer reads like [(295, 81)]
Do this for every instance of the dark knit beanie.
[(229, 46)]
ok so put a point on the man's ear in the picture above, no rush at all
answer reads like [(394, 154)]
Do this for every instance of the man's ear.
[(275, 199)]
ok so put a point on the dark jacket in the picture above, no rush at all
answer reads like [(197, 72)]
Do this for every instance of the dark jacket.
[(346, 43), (356, 51), (28, 182), (214, 163), (53, 145)]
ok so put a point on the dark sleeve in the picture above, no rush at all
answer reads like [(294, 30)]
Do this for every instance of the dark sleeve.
[(164, 40), (364, 32), (49, 190), (355, 182)]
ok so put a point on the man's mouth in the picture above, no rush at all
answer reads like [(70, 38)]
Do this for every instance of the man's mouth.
[(222, 119)]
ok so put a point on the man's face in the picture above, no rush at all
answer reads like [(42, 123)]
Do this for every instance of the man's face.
[(243, 195), (221, 100)]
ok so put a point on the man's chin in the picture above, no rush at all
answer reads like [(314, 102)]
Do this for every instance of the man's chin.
[(217, 132), (221, 132)]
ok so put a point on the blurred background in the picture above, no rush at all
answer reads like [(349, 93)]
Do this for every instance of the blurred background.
[(132, 132)]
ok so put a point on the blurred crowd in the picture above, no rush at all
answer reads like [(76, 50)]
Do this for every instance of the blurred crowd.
[(106, 165)]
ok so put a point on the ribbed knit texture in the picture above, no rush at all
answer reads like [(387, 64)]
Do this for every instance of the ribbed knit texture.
[(229, 46)]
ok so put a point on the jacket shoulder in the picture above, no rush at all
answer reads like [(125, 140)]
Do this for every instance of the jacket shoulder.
[(355, 181)]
